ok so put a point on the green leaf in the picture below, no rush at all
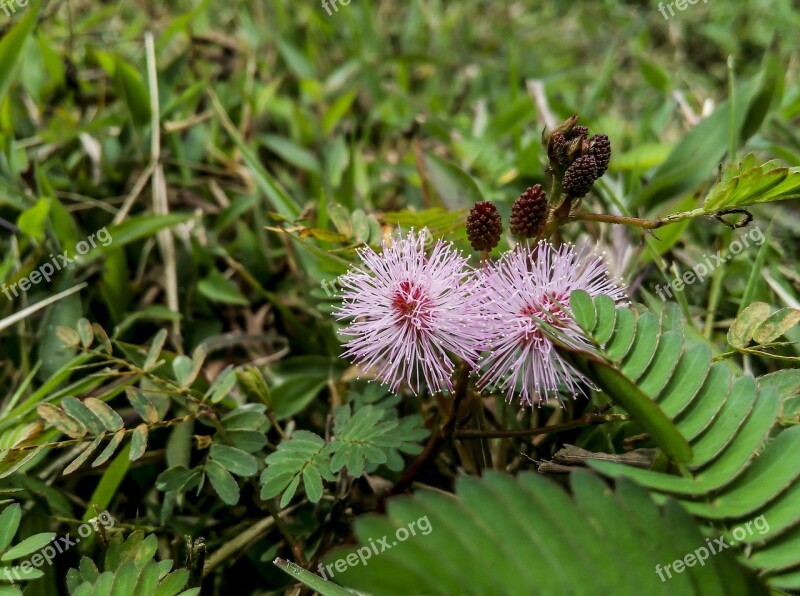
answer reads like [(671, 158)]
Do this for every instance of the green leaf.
[(143, 406), (645, 411), (456, 188), (33, 220), (138, 442), (110, 449), (583, 310), (741, 332), (363, 438), (61, 420), (234, 460), (286, 466), (110, 419), (696, 156), (83, 414), (174, 478), (86, 332), (296, 392), (488, 529), (776, 325), (340, 218), (753, 184), (133, 229), (155, 349), (28, 546), (222, 481), (291, 152), (133, 89), (222, 385), (315, 582), (217, 288), (9, 523), (12, 44), (84, 455)]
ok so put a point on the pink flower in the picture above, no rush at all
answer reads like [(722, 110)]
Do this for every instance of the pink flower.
[(412, 313), (534, 283)]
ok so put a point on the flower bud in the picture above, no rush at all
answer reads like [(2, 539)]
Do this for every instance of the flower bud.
[(600, 149), (484, 226), (529, 213), (579, 177)]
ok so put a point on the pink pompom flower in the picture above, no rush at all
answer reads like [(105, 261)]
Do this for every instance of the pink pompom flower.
[(527, 285), (412, 313)]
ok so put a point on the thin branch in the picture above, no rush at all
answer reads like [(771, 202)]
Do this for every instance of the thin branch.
[(437, 441), (586, 420)]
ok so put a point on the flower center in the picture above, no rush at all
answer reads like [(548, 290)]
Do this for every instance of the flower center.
[(547, 309), (411, 304)]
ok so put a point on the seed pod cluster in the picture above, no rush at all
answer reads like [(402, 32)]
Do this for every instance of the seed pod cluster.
[(576, 157)]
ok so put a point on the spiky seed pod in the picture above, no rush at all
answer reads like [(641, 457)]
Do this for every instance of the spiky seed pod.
[(600, 149), (529, 213), (579, 177), (484, 226), (575, 132)]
